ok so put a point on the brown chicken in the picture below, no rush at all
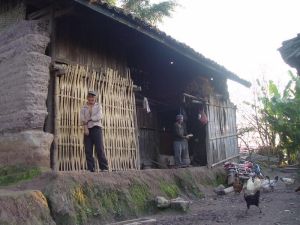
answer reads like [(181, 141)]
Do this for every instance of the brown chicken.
[(237, 185)]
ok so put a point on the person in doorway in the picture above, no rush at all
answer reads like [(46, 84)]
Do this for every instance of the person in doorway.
[(90, 116), (181, 152)]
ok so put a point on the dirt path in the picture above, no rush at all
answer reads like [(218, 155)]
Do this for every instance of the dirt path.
[(281, 207)]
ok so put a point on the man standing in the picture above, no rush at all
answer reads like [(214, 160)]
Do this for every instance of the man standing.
[(90, 116), (181, 152)]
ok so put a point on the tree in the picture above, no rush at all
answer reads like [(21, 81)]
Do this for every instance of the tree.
[(144, 9), (274, 120), (110, 2), (151, 12), (254, 131), (282, 112)]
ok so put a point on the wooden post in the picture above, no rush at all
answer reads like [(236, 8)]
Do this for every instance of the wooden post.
[(56, 124), (54, 154), (222, 161), (208, 135)]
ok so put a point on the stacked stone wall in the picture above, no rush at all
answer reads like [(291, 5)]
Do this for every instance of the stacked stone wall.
[(24, 80)]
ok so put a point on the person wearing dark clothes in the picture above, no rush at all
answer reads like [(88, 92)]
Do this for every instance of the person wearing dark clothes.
[(90, 116), (181, 152)]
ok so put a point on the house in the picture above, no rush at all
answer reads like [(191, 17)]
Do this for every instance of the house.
[(52, 52), (290, 52)]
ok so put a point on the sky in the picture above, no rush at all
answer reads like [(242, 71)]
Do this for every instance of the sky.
[(242, 35)]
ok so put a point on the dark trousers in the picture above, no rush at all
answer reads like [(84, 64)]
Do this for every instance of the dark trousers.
[(95, 137)]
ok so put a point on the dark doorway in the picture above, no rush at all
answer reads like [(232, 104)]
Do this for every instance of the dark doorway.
[(197, 144)]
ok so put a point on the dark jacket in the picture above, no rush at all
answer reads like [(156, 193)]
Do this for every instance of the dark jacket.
[(179, 132)]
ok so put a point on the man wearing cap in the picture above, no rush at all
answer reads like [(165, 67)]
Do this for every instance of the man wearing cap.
[(181, 152), (90, 116)]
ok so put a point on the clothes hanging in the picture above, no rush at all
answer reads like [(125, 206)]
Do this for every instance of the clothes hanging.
[(146, 105)]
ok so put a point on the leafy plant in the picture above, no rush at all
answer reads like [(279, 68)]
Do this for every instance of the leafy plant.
[(282, 112), (151, 12)]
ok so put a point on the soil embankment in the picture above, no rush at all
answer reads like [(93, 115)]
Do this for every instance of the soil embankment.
[(100, 198)]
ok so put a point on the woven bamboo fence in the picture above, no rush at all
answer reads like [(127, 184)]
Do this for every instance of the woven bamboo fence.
[(115, 93), (222, 140)]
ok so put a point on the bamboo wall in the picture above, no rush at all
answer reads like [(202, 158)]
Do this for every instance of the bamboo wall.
[(222, 131), (115, 93)]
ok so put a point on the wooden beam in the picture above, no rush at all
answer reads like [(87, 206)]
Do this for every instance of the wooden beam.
[(45, 12), (54, 159), (222, 161), (60, 13)]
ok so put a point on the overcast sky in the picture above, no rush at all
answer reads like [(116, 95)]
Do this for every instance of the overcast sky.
[(242, 35)]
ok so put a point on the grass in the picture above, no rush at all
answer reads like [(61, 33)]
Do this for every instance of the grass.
[(218, 179), (15, 174), (102, 204), (188, 185), (170, 189), (140, 195)]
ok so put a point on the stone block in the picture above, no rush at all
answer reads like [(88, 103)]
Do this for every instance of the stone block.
[(29, 148)]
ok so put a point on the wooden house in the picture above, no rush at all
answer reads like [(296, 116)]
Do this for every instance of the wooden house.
[(53, 51)]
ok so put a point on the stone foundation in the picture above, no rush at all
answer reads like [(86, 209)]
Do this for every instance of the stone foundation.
[(30, 147), (24, 75)]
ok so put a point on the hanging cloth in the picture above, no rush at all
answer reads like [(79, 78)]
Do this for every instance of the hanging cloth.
[(146, 105), (203, 118)]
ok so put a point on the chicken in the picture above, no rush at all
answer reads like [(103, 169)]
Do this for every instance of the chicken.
[(237, 185), (269, 185), (287, 181), (298, 189), (252, 192)]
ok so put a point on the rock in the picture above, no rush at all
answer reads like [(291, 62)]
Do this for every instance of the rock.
[(228, 190), (24, 208), (24, 75), (179, 203), (162, 202), (31, 147), (220, 190)]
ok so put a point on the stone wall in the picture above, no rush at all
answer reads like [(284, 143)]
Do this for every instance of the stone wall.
[(24, 76), (11, 12)]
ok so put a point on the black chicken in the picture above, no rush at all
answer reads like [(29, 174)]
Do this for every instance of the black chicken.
[(252, 193), (252, 200)]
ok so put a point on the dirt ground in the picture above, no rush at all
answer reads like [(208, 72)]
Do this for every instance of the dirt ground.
[(281, 207)]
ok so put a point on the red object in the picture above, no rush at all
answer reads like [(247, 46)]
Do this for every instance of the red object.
[(203, 119)]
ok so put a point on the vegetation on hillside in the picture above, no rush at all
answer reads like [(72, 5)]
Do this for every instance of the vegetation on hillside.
[(275, 118)]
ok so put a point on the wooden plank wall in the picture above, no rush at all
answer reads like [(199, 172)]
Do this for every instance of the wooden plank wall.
[(115, 93), (148, 135), (84, 42), (222, 131)]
